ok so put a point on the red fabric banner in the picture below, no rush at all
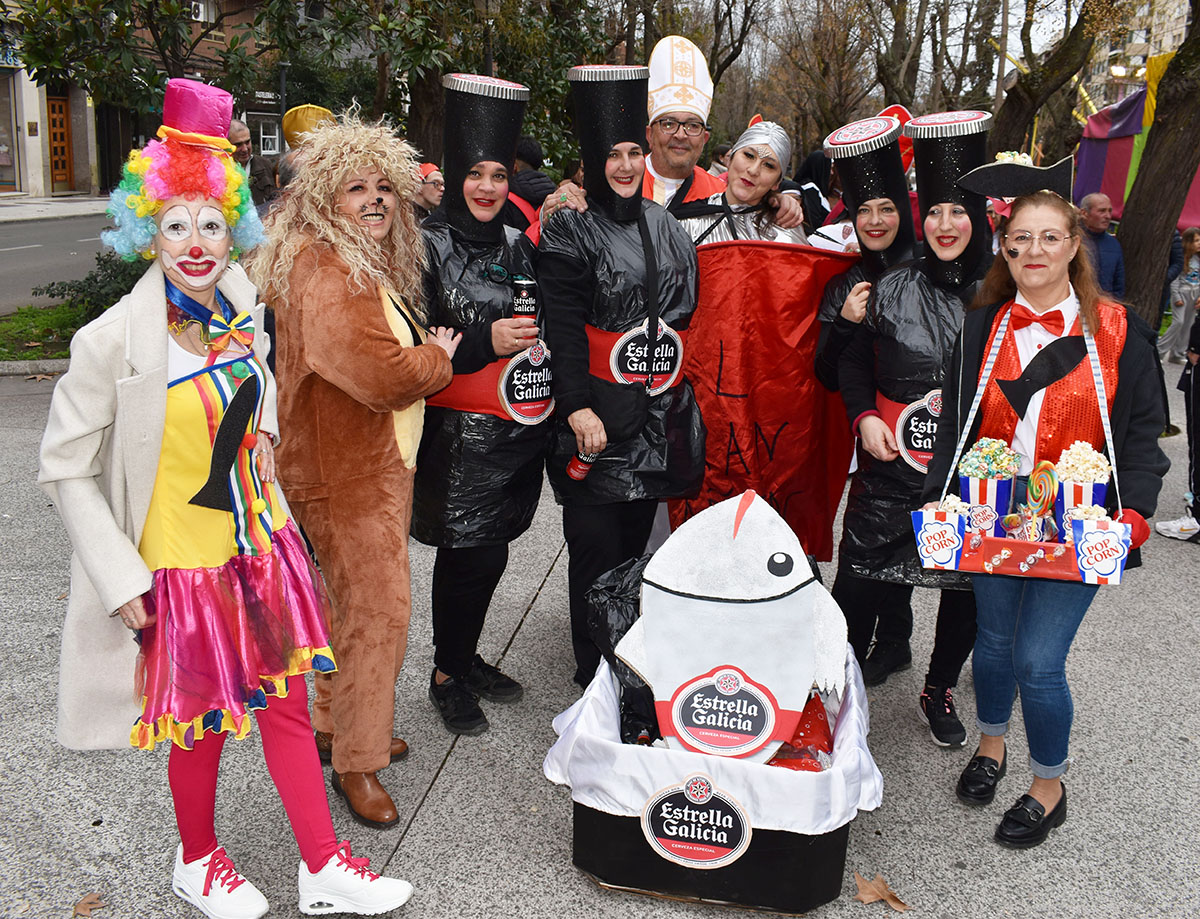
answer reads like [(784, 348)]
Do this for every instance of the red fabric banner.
[(771, 425)]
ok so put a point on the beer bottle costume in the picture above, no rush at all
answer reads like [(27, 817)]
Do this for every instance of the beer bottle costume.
[(594, 275), (480, 471), (868, 158), (486, 434), (894, 368)]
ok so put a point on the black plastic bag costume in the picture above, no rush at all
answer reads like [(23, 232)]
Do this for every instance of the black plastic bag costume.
[(593, 271), (479, 475), (614, 604), (868, 158), (913, 318)]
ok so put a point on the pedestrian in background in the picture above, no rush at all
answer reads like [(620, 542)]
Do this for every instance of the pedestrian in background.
[(1104, 248), (1185, 292)]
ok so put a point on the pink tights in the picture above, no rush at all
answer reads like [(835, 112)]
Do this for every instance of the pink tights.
[(292, 761)]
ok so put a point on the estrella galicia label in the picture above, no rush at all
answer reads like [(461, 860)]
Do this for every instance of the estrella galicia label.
[(629, 360), (525, 385), (723, 713), (916, 430), (696, 824)]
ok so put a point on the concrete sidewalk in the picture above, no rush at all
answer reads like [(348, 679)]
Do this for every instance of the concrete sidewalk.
[(483, 834), (22, 208)]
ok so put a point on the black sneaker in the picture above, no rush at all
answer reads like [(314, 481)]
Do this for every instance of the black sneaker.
[(884, 659), (487, 681), (457, 705), (937, 710)]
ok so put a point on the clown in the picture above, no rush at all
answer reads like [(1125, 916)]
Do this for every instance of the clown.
[(159, 455)]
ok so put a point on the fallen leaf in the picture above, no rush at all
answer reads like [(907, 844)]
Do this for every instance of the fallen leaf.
[(63, 595), (870, 891), (38, 377), (85, 906), (33, 344)]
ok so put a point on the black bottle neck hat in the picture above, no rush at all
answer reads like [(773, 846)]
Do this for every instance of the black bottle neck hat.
[(867, 154), (610, 109), (482, 124), (946, 146)]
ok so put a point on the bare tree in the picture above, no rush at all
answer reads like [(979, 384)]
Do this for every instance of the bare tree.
[(962, 60), (901, 30), (1169, 162), (820, 46), (732, 23), (1046, 73)]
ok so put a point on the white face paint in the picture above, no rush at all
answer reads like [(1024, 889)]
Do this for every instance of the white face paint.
[(193, 242)]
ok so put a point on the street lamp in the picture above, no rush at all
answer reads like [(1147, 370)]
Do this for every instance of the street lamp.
[(1118, 70)]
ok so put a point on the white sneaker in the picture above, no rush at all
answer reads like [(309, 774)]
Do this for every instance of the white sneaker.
[(213, 886), (348, 885), (1184, 527)]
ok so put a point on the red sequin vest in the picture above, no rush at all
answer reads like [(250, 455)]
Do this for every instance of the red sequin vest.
[(1070, 410)]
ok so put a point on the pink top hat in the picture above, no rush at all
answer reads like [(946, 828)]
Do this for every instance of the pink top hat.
[(196, 113)]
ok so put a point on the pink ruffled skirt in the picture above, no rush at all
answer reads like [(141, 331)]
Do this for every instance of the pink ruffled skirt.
[(226, 639)]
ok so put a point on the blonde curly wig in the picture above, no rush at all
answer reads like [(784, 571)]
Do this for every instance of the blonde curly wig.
[(307, 213)]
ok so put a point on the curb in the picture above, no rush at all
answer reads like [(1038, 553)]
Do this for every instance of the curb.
[(28, 368)]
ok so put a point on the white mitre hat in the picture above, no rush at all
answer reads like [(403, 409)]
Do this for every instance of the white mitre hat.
[(679, 79)]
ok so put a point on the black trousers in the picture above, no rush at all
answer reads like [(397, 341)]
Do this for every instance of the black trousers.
[(464, 580), (599, 538), (883, 610)]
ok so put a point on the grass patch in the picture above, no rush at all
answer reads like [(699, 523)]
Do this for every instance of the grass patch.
[(38, 332)]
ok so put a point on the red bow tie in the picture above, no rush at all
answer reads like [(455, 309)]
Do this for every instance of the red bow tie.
[(1052, 320)]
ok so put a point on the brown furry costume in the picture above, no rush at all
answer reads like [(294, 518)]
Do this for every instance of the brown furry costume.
[(351, 389)]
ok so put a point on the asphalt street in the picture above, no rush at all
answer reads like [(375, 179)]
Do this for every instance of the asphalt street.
[(483, 834), (38, 252)]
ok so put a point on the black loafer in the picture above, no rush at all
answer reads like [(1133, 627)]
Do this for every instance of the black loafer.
[(977, 784), (1026, 824)]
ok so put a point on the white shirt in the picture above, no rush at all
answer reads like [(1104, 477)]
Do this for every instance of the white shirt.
[(1029, 341), (662, 185)]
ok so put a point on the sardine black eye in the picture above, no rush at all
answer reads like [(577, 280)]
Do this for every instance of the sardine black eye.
[(780, 564)]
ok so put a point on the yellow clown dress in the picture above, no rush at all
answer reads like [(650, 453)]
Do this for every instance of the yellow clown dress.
[(239, 606)]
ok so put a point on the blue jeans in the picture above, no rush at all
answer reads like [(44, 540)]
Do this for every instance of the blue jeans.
[(1026, 626)]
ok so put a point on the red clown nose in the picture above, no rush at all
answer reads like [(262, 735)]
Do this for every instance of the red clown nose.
[(195, 252)]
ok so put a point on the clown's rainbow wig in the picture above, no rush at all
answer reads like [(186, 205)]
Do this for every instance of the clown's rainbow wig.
[(167, 169)]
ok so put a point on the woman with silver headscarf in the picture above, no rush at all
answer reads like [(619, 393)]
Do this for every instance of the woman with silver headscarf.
[(746, 209)]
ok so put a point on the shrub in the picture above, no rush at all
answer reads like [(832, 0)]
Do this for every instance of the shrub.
[(104, 285)]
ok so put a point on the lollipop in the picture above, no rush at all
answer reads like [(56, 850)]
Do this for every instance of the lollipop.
[(1043, 488)]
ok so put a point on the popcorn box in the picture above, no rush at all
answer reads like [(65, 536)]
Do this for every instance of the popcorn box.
[(940, 538), (1073, 494), (1101, 549), (989, 499)]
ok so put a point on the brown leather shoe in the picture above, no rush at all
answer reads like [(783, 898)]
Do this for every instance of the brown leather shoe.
[(368, 800), (325, 747)]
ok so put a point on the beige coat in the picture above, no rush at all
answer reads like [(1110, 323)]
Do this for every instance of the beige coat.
[(99, 459)]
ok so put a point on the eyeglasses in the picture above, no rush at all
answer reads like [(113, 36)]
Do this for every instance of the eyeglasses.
[(495, 273), (1050, 240), (440, 186), (690, 128)]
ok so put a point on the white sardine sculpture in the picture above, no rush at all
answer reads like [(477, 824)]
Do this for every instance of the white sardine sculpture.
[(735, 631)]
